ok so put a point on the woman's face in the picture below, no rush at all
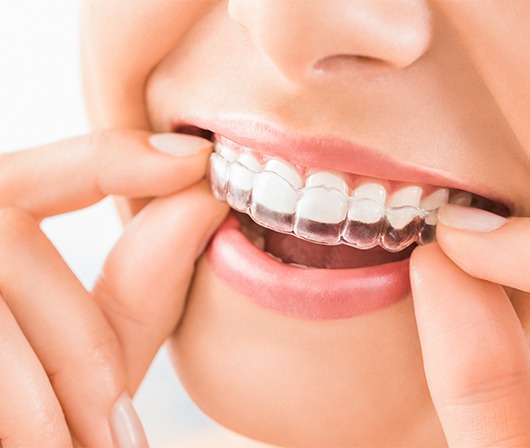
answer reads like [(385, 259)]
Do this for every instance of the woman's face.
[(425, 93)]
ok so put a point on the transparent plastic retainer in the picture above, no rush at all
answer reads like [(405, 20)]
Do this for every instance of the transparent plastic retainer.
[(361, 222)]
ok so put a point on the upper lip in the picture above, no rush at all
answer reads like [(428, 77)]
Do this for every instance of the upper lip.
[(331, 152)]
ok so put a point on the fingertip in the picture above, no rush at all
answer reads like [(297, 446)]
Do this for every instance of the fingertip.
[(126, 425), (139, 164), (423, 258), (179, 145), (421, 251), (469, 218)]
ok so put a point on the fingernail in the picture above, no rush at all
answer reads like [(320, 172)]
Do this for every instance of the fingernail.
[(468, 218), (178, 145), (126, 426)]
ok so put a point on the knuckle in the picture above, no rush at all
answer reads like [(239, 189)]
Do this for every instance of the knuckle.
[(51, 422), (486, 383), (107, 298), (499, 423), (100, 147), (101, 356), (492, 386), (100, 143), (97, 141), (493, 365), (15, 224), (102, 350)]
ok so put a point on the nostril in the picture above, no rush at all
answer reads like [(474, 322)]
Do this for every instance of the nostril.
[(344, 63)]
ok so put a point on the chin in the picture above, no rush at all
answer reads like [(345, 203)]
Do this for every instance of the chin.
[(301, 382)]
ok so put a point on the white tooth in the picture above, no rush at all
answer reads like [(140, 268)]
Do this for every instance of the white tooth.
[(327, 179), (401, 217), (285, 170), (406, 196), (239, 186), (219, 173), (435, 200), (368, 203), (242, 174), (432, 218), (273, 192), (322, 205), (298, 265), (462, 198), (274, 257), (220, 169), (241, 178), (409, 199), (226, 152), (250, 162), (259, 242), (371, 190)]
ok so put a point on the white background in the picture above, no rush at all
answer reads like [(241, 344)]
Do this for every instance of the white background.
[(41, 101)]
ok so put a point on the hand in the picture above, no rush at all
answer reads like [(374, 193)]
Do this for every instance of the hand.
[(475, 351), (68, 365)]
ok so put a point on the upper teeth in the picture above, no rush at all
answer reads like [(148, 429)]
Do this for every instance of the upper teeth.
[(322, 207)]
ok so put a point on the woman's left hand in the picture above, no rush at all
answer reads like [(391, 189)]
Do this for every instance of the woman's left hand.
[(474, 344)]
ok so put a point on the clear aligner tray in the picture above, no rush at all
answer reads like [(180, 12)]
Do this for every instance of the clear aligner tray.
[(320, 214)]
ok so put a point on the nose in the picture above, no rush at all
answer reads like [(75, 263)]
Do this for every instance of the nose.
[(304, 37)]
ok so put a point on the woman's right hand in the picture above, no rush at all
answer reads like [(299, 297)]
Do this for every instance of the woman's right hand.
[(69, 358)]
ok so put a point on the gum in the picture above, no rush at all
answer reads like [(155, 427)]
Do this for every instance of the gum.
[(239, 186)]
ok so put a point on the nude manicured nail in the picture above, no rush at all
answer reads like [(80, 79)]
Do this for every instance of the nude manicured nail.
[(178, 145), (126, 426), (467, 218)]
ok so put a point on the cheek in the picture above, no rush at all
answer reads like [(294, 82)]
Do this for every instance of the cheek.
[(122, 42), (294, 382)]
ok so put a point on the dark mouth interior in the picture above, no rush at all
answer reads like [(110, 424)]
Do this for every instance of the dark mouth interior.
[(294, 250), (291, 249), (193, 130)]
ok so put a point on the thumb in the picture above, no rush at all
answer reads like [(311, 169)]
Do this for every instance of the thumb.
[(475, 353), (145, 279)]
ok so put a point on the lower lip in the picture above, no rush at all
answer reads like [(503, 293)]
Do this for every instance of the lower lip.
[(318, 294)]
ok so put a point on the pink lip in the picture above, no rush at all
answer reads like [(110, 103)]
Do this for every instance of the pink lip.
[(303, 293), (328, 152), (313, 293)]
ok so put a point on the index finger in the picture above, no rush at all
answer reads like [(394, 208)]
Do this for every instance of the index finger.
[(78, 172), (475, 353), (499, 254)]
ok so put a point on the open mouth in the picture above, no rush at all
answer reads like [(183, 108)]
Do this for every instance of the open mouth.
[(314, 218), (312, 242)]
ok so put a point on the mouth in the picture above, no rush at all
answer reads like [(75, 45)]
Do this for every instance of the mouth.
[(346, 234)]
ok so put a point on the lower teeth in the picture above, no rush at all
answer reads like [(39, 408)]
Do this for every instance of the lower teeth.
[(279, 260), (301, 266)]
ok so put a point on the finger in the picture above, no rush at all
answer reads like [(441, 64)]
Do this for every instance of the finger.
[(146, 277), (30, 414), (485, 245), (78, 172), (475, 355), (66, 329)]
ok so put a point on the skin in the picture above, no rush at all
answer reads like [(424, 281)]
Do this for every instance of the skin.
[(65, 364), (441, 84)]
